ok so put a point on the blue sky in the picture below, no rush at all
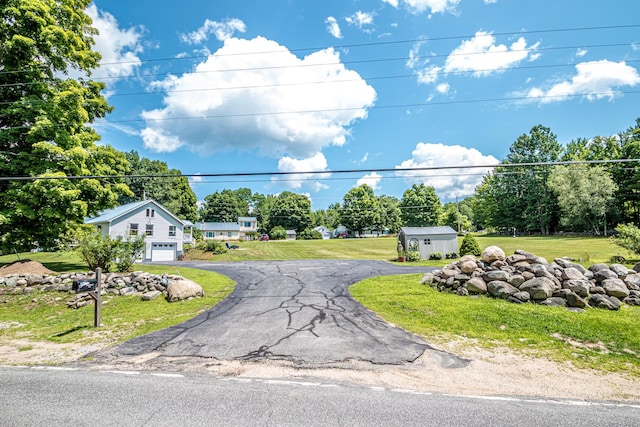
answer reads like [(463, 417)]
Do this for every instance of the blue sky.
[(303, 85)]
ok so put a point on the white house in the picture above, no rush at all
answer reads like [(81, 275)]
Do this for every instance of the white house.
[(429, 240), (324, 231), (164, 233), (248, 224), (220, 230), (291, 234)]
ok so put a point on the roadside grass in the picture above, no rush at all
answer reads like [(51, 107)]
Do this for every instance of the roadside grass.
[(43, 316), (598, 339)]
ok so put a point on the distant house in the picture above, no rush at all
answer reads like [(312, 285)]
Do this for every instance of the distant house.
[(340, 231), (164, 233), (429, 240), (324, 231), (220, 230), (291, 234), (248, 224)]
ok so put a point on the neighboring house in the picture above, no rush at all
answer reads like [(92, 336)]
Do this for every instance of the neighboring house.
[(324, 231), (340, 230), (220, 230), (248, 224), (429, 240), (164, 233), (291, 234)]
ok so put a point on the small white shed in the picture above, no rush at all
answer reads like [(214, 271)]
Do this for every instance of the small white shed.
[(429, 239)]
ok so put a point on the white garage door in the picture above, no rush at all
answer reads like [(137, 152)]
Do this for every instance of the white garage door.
[(163, 252)]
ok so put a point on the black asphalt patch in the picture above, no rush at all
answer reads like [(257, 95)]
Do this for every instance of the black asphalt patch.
[(297, 311)]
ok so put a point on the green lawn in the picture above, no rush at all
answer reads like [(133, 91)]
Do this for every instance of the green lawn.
[(598, 339)]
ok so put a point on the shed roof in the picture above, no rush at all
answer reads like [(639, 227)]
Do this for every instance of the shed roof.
[(428, 230)]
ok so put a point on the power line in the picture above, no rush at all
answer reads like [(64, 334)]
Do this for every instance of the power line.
[(324, 172)]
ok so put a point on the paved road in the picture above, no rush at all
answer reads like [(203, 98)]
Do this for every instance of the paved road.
[(299, 311), (45, 397)]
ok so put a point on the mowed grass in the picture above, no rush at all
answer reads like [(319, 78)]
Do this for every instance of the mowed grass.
[(44, 316), (597, 339)]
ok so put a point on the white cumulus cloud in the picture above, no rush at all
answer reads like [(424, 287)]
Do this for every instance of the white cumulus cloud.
[(393, 3), (482, 56), (443, 88), (221, 30), (593, 80), (255, 95), (119, 47), (434, 6), (371, 179), (360, 19), (333, 27), (314, 163), (448, 183)]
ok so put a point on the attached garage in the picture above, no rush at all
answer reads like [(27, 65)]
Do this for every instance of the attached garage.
[(163, 252)]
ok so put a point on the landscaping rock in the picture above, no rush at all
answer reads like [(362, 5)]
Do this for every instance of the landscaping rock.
[(500, 289), (182, 289), (522, 296), (574, 300), (597, 267), (580, 287), (636, 267), (540, 288), (151, 295), (476, 285), (493, 253), (554, 302), (604, 274), (604, 301), (620, 270), (572, 273), (468, 266), (496, 275), (615, 288), (427, 279)]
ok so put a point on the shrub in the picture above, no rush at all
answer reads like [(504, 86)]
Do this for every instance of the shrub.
[(310, 234), (100, 251), (451, 255), (278, 233), (628, 237), (469, 246), (413, 256), (435, 255), (215, 246)]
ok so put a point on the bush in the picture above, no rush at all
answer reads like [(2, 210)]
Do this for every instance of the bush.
[(413, 256), (215, 246), (435, 255), (278, 233), (469, 246), (451, 255), (102, 252), (628, 237), (310, 234)]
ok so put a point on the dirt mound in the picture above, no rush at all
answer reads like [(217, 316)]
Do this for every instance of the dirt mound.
[(24, 266)]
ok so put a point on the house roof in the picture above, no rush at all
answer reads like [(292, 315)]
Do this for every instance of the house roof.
[(218, 226), (428, 230), (247, 218), (111, 215), (290, 231)]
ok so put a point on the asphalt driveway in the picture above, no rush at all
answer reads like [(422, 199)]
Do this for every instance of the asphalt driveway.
[(299, 311)]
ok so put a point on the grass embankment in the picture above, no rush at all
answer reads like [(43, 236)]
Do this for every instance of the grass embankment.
[(44, 316), (598, 339)]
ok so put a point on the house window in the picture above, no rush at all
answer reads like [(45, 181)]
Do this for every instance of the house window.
[(149, 230), (172, 231), (99, 229), (229, 234), (210, 234), (151, 213), (133, 229), (247, 224)]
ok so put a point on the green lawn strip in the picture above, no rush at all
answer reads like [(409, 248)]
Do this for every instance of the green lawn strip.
[(44, 315), (602, 339)]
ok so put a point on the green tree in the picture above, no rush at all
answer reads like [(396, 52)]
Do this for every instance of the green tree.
[(223, 206), (360, 209), (174, 193), (628, 237), (628, 178), (455, 219), (420, 206), (583, 192), (329, 217), (44, 117), (522, 195), (291, 211), (278, 233), (390, 214)]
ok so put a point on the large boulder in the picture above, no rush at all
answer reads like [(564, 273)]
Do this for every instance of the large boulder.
[(604, 301), (468, 266), (501, 289), (476, 285), (636, 267), (579, 287), (615, 288), (493, 253), (182, 289), (489, 276), (632, 279), (604, 274), (571, 273), (620, 270), (540, 288)]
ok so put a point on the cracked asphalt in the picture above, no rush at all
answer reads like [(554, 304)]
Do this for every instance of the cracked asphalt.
[(297, 311)]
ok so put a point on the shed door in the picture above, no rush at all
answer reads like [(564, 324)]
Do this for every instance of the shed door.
[(163, 252)]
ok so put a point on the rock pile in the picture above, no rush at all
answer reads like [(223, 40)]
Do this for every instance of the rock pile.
[(147, 286), (524, 277)]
